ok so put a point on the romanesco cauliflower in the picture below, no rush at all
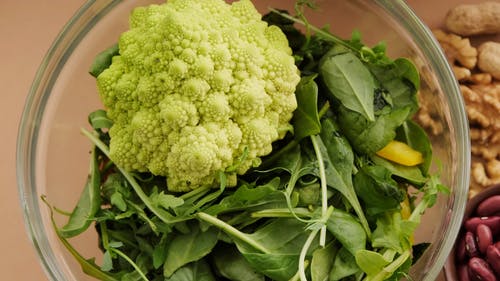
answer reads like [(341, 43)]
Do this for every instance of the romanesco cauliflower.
[(196, 85)]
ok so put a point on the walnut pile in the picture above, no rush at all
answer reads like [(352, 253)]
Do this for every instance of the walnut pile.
[(477, 70)]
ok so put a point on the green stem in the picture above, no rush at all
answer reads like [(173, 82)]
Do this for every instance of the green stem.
[(232, 231), (303, 253), (324, 188), (325, 34), (282, 213)]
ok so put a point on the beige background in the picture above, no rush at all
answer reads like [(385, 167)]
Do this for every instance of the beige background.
[(27, 29)]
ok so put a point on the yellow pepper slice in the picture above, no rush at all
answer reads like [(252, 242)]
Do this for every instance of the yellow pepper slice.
[(401, 153)]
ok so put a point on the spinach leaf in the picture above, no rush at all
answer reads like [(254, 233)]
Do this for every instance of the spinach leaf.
[(378, 191), (305, 118), (322, 262), (347, 230), (344, 265), (277, 266), (411, 174), (195, 271), (231, 264), (400, 79), (89, 203), (281, 262), (369, 137), (338, 158), (372, 262), (189, 247), (349, 81), (415, 136)]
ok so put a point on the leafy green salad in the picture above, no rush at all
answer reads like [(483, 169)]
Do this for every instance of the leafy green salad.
[(239, 146)]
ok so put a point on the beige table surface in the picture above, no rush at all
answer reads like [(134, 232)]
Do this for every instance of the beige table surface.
[(27, 29)]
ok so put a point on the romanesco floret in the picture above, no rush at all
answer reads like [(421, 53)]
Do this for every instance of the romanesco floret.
[(197, 85)]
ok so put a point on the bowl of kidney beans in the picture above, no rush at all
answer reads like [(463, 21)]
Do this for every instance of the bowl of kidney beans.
[(476, 255)]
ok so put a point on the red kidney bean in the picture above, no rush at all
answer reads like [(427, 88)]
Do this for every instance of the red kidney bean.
[(497, 244), (492, 222), (489, 206), (493, 258), (463, 272), (471, 245), (460, 251), (484, 237), (480, 270)]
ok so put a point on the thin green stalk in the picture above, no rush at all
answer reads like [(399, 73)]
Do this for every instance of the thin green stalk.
[(303, 253), (232, 231), (324, 188), (282, 213), (325, 34)]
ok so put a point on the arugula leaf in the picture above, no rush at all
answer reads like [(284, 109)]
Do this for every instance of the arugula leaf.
[(88, 204)]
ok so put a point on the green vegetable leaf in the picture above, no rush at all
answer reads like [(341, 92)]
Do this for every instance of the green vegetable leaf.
[(305, 119), (371, 262), (412, 174), (88, 265), (377, 189), (233, 266), (338, 159), (99, 120), (347, 230), (88, 204), (195, 271), (393, 232), (103, 60), (400, 79), (344, 265), (281, 262), (165, 201), (412, 134), (322, 262), (349, 81), (369, 137), (189, 247)]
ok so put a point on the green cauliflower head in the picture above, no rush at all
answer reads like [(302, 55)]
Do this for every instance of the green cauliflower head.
[(196, 85)]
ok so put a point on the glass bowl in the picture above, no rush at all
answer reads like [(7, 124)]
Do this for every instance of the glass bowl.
[(52, 155)]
